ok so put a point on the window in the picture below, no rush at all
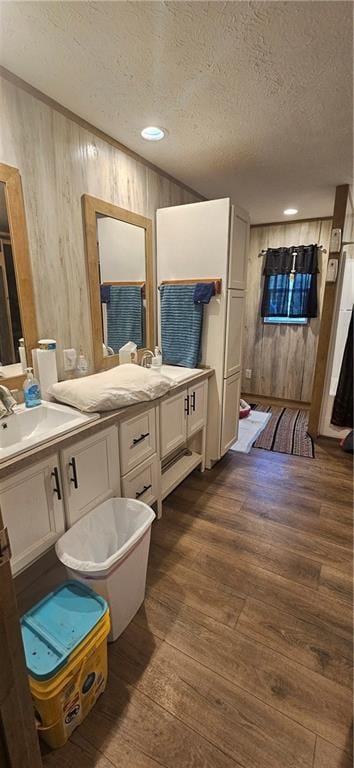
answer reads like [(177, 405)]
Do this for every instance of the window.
[(286, 285), (290, 285)]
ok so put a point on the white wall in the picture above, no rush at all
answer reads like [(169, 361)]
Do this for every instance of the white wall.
[(121, 249)]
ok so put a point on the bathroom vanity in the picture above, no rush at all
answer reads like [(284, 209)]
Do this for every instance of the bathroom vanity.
[(141, 452)]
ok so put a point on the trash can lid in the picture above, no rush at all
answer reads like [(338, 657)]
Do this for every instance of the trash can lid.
[(55, 627)]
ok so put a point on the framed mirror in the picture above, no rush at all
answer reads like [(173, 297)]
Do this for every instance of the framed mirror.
[(120, 272), (17, 310)]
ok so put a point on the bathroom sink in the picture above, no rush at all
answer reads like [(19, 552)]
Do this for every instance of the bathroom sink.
[(179, 374), (29, 427)]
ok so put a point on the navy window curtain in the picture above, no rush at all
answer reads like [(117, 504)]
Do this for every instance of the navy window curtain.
[(275, 296), (287, 293)]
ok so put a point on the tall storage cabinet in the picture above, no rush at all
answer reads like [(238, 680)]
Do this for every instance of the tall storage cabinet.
[(210, 240)]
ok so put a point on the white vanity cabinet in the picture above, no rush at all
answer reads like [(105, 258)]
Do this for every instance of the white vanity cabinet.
[(33, 510), (90, 471), (145, 453)]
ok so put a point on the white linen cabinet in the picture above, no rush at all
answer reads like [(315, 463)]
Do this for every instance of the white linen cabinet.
[(210, 240)]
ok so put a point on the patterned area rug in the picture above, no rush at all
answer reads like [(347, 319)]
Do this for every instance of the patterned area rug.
[(286, 431)]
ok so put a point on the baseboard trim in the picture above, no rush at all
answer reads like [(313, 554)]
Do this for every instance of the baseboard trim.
[(279, 401)]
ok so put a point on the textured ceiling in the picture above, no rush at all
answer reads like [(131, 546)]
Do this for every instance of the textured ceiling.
[(256, 96)]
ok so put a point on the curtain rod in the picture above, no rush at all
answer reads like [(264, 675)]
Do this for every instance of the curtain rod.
[(319, 248)]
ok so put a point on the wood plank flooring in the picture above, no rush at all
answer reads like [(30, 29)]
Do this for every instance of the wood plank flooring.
[(241, 655)]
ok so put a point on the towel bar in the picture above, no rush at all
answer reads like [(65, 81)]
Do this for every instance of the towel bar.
[(216, 280)]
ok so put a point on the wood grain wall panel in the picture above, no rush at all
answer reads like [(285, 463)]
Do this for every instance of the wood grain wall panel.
[(281, 358), (59, 161)]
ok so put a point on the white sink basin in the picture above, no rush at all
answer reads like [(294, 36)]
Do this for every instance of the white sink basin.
[(179, 374), (29, 427)]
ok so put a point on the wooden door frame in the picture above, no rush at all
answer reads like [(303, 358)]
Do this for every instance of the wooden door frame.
[(19, 738), (342, 197)]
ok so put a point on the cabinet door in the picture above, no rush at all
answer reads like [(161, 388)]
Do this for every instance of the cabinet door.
[(173, 422), (91, 474), (197, 407), (239, 233), (234, 332), (230, 412), (33, 510)]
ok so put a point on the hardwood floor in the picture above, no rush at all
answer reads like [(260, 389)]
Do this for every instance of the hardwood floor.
[(241, 655)]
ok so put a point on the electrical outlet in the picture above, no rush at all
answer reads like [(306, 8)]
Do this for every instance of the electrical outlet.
[(69, 356), (248, 373)]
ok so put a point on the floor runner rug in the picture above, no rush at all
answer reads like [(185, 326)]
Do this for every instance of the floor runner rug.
[(286, 431)]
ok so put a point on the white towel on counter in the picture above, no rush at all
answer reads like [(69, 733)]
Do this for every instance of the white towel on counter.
[(116, 388)]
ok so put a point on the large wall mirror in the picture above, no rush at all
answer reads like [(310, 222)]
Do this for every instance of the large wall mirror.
[(120, 271), (17, 313)]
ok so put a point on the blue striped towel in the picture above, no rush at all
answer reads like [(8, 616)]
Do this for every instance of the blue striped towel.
[(125, 316), (181, 325)]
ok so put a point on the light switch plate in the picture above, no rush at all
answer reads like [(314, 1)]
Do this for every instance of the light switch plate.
[(332, 271), (336, 240)]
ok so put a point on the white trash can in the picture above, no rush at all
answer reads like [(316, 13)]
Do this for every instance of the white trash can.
[(108, 550)]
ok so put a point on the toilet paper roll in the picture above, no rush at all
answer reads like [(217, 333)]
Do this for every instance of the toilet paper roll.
[(47, 370)]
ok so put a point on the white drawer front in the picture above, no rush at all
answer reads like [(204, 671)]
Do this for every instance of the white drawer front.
[(142, 483), (137, 440)]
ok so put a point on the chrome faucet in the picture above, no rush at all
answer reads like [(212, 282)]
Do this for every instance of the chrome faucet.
[(7, 401), (145, 358)]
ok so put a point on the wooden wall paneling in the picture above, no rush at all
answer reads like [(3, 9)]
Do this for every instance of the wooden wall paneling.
[(342, 202), (45, 99), (281, 357), (61, 158)]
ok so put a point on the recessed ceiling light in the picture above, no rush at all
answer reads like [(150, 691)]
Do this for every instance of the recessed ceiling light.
[(153, 133), (290, 211)]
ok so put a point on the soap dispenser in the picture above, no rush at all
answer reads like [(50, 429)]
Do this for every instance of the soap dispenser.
[(31, 390), (82, 364)]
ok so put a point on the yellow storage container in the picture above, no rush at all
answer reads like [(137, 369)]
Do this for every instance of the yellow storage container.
[(62, 701)]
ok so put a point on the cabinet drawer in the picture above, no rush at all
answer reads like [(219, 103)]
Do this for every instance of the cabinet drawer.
[(142, 483), (137, 440)]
